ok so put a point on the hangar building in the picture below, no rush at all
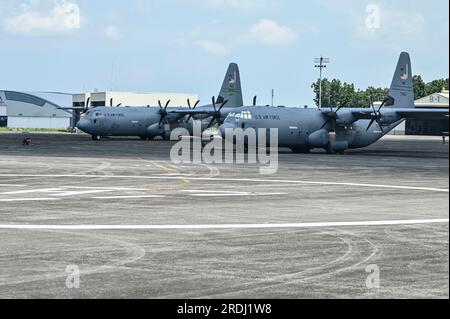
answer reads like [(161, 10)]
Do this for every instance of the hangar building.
[(34, 110)]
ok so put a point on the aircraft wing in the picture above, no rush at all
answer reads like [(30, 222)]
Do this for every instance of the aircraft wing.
[(427, 114), (191, 112), (406, 113), (71, 108)]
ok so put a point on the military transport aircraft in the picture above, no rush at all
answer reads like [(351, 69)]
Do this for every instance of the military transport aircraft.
[(337, 129), (150, 122)]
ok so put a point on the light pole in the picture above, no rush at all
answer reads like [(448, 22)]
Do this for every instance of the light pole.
[(321, 64)]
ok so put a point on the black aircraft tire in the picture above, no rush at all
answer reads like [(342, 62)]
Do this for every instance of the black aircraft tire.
[(95, 138)]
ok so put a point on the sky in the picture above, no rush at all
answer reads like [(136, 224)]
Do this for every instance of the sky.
[(186, 45)]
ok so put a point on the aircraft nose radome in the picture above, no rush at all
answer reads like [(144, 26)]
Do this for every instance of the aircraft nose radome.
[(82, 124)]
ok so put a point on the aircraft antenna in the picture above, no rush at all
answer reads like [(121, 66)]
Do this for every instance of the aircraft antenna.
[(321, 64)]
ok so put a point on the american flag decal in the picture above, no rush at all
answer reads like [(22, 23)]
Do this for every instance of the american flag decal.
[(405, 75)]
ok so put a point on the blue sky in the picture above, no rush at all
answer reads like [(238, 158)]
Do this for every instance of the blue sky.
[(186, 45)]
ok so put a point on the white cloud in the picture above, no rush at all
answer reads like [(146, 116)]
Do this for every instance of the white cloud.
[(112, 32), (213, 48), (271, 33), (62, 16), (395, 28)]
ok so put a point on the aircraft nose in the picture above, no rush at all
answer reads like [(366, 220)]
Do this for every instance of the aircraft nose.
[(82, 124), (224, 127)]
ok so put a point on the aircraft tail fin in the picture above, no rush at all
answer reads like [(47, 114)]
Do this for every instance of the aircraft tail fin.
[(401, 92), (231, 88)]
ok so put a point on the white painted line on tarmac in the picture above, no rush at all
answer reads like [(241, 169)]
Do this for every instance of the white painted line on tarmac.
[(129, 197), (42, 199), (75, 193), (236, 194), (29, 191), (226, 226), (13, 185), (249, 180)]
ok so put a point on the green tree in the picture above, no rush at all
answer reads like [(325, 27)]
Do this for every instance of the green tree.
[(419, 87), (336, 93), (436, 86)]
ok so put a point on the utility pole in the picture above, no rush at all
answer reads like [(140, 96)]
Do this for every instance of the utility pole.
[(273, 95), (321, 64)]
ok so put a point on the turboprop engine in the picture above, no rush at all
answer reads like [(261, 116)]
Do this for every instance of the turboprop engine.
[(155, 129), (325, 139)]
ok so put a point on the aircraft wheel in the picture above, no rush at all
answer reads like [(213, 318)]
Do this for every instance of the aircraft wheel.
[(95, 137)]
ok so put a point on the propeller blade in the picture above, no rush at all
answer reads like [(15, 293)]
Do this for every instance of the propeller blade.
[(341, 106), (196, 104), (160, 105), (326, 123), (382, 104), (188, 119), (371, 122), (189, 104), (373, 106), (254, 100), (211, 123), (167, 104), (223, 104), (214, 103), (380, 125), (111, 102)]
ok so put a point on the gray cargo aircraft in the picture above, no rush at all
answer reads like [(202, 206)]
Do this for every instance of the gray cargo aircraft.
[(337, 129), (149, 122)]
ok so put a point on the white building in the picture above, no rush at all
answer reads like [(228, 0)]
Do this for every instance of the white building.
[(133, 99), (34, 110)]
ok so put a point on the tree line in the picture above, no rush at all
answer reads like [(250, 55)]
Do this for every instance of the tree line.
[(336, 93)]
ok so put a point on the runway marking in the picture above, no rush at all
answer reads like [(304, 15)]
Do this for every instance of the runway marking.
[(74, 193), (226, 226), (126, 197), (42, 190), (250, 180), (236, 194), (28, 199), (13, 185)]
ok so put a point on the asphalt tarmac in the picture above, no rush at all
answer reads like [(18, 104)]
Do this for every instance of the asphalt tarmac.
[(137, 225)]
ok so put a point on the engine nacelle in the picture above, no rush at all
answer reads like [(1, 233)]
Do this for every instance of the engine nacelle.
[(338, 146), (155, 129), (319, 138), (345, 117)]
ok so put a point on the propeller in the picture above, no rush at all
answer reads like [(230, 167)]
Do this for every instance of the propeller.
[(86, 107), (377, 114), (216, 114), (111, 103), (332, 115), (254, 100), (191, 108), (163, 111)]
